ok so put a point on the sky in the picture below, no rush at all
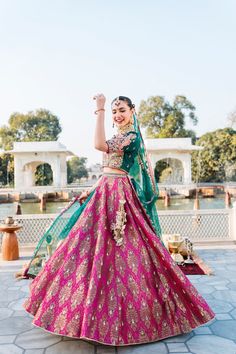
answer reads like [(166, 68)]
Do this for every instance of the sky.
[(56, 54)]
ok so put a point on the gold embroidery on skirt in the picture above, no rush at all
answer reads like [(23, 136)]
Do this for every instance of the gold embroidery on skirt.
[(120, 264), (119, 227), (48, 316), (121, 289), (112, 302), (101, 299), (77, 296), (132, 261), (73, 326), (60, 321), (115, 331), (81, 270), (65, 293), (103, 327), (132, 316), (145, 314)]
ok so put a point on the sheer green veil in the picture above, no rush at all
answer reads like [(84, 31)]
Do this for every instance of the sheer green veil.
[(143, 180)]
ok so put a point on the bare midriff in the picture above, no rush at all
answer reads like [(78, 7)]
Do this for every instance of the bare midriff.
[(113, 170)]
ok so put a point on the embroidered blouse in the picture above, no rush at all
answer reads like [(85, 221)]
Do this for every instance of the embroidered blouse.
[(122, 149)]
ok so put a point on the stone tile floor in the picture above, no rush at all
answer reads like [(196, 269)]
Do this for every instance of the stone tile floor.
[(19, 336)]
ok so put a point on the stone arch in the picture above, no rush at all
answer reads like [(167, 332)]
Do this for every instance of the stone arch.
[(29, 171), (171, 171), (28, 155), (44, 173), (183, 160)]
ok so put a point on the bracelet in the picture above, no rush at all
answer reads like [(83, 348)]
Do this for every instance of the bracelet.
[(101, 109)]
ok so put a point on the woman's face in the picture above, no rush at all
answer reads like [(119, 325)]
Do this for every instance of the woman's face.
[(121, 113)]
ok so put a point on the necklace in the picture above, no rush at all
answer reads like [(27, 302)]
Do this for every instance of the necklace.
[(126, 128)]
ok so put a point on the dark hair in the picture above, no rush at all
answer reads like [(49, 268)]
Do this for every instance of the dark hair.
[(125, 99)]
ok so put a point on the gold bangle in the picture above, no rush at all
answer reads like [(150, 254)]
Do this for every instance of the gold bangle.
[(101, 109)]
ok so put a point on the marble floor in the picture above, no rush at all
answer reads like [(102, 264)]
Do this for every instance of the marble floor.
[(19, 336)]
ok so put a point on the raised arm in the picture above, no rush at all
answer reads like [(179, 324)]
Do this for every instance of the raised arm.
[(99, 137)]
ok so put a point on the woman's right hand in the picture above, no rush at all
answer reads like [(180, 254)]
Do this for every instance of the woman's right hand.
[(100, 100)]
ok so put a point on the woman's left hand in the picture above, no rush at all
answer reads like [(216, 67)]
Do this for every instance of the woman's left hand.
[(83, 196)]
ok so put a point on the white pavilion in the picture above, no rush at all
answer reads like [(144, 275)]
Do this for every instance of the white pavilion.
[(177, 153), (29, 155)]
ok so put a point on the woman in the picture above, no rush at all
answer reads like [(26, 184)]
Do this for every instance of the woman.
[(110, 280)]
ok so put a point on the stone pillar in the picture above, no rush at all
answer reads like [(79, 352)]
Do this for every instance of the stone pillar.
[(18, 173), (28, 176), (63, 171), (56, 167), (186, 160)]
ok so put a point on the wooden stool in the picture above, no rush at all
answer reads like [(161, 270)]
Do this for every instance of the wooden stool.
[(10, 249)]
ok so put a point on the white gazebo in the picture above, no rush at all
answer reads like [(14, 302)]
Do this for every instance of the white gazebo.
[(29, 155), (177, 152)]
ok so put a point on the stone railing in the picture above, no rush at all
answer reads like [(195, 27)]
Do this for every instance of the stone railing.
[(198, 225)]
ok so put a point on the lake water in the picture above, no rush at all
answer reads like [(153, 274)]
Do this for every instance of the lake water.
[(9, 209)]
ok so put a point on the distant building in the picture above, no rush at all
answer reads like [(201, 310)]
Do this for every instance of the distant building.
[(94, 171)]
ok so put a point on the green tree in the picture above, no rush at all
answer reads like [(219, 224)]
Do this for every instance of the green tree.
[(43, 175), (40, 125), (164, 120), (6, 169), (217, 161), (161, 166), (76, 169)]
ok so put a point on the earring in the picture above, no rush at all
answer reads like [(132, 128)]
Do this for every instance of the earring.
[(132, 119), (113, 125)]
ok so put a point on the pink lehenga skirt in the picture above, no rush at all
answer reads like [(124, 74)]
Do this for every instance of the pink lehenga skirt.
[(111, 280)]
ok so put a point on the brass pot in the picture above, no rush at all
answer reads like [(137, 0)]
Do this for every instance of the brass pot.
[(9, 220)]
